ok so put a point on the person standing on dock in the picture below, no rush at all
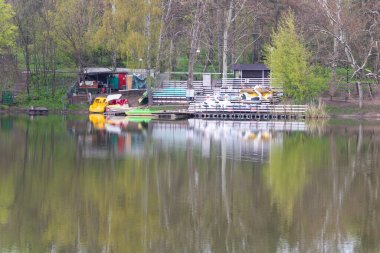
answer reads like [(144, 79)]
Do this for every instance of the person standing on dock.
[(89, 97)]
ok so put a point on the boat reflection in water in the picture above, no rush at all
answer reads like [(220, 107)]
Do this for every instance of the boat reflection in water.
[(112, 136), (123, 136)]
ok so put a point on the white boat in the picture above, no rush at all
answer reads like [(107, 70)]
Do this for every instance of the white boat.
[(116, 104)]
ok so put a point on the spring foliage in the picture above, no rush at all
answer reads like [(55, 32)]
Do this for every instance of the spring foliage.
[(7, 28), (288, 59), (123, 29)]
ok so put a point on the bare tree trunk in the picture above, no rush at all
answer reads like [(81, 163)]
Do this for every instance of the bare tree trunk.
[(211, 15), (25, 42), (233, 14), (370, 90), (53, 64), (158, 56), (225, 52), (147, 35), (360, 90), (220, 25), (27, 65), (114, 57), (170, 57), (164, 20), (207, 61), (114, 53), (256, 45), (377, 63), (276, 13), (44, 49), (194, 43), (334, 64), (225, 39)]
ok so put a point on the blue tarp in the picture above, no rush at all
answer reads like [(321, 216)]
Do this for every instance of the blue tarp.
[(138, 83)]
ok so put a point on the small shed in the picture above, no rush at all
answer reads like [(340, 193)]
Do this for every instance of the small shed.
[(99, 77), (255, 70)]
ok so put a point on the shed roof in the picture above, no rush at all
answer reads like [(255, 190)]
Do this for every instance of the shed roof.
[(104, 70), (254, 66)]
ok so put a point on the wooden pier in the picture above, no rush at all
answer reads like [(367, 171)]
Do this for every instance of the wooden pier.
[(172, 115), (251, 112), (239, 112)]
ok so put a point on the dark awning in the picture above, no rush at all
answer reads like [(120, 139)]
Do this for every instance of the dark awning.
[(92, 71), (255, 66)]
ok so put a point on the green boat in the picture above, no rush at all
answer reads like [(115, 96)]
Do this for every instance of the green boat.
[(140, 112)]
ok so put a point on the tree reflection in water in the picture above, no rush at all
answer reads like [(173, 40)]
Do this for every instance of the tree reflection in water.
[(69, 184)]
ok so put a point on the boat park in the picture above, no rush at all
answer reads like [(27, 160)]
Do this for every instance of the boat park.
[(250, 95)]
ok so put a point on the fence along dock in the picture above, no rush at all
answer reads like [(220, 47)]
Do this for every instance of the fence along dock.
[(250, 112)]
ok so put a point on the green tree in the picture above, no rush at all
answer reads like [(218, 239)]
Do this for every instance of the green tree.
[(74, 20), (126, 31), (289, 61), (7, 28)]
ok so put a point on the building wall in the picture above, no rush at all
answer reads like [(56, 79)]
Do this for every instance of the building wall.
[(252, 74)]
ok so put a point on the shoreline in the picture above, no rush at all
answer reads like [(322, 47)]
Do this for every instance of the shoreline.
[(371, 116), (51, 111), (13, 110), (78, 111)]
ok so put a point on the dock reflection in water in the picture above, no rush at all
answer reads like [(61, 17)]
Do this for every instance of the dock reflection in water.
[(123, 136), (242, 140), (98, 184)]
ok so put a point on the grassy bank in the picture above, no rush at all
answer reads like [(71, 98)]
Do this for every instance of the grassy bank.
[(349, 109), (59, 106), (316, 112)]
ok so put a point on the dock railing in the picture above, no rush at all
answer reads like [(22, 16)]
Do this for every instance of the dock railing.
[(241, 83), (248, 111), (232, 83)]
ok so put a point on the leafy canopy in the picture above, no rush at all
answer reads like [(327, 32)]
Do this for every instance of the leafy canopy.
[(7, 28), (123, 29), (289, 59)]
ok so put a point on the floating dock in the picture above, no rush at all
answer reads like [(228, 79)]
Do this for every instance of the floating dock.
[(251, 112), (173, 115), (32, 111)]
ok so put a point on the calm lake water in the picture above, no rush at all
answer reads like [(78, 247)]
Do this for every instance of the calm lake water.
[(80, 184)]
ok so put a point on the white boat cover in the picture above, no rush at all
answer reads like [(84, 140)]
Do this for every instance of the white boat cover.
[(113, 97)]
